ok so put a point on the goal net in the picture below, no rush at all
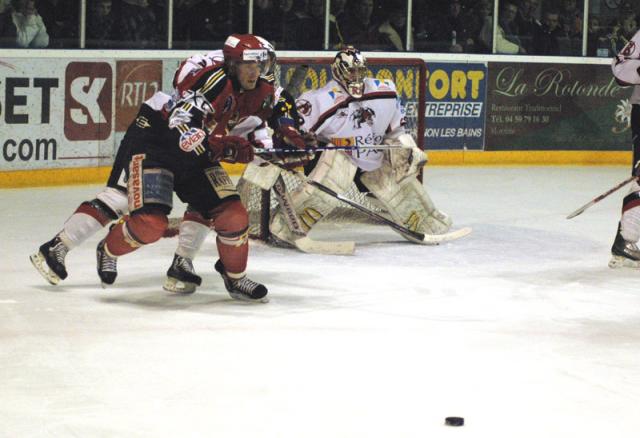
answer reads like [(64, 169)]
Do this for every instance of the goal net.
[(298, 75)]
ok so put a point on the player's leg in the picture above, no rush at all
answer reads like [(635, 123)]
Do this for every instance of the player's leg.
[(88, 219), (214, 194), (181, 276), (333, 169), (396, 187), (625, 252), (150, 192)]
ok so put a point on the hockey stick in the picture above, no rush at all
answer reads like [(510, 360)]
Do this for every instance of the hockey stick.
[(599, 198), (432, 239), (303, 242), (327, 148)]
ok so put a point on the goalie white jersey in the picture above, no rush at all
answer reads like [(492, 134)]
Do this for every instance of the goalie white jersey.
[(342, 120)]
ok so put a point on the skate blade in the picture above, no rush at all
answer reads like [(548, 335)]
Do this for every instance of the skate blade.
[(246, 299), (179, 287), (40, 264), (618, 262)]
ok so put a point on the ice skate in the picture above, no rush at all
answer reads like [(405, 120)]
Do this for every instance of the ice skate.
[(624, 254), (107, 265), (49, 260), (181, 277), (243, 288)]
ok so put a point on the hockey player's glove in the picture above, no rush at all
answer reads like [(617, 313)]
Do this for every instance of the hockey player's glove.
[(230, 148), (291, 138)]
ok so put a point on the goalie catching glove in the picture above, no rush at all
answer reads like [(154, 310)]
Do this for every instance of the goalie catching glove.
[(230, 149)]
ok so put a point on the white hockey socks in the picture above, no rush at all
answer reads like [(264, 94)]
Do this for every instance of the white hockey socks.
[(191, 238), (78, 228)]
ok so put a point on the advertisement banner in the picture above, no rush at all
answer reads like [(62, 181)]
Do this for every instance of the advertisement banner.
[(406, 79), (55, 113), (455, 107), (556, 107), (136, 81)]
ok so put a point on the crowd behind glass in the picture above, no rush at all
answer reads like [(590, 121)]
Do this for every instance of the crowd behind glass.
[(535, 27)]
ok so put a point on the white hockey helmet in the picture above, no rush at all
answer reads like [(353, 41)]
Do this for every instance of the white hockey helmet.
[(349, 68)]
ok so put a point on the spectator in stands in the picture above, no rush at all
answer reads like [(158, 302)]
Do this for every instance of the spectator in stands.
[(137, 25), (476, 18), (526, 22), (596, 37), (507, 21), (100, 24), (505, 43), (451, 31), (622, 32), (357, 27), (23, 26), (61, 17), (571, 19), (546, 39), (393, 30)]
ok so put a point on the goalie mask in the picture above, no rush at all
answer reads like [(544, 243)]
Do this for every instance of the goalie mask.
[(349, 69)]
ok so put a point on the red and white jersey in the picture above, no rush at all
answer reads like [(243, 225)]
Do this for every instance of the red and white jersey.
[(626, 64), (342, 120), (189, 69)]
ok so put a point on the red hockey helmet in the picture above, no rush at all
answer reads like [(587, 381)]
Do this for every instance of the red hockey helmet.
[(245, 48)]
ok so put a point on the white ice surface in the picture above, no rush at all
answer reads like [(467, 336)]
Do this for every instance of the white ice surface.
[(521, 327)]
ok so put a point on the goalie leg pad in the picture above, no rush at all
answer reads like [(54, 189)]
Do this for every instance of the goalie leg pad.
[(262, 175), (334, 170), (408, 202)]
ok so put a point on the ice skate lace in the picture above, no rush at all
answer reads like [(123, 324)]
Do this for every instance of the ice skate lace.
[(185, 264), (59, 252), (246, 286), (108, 264)]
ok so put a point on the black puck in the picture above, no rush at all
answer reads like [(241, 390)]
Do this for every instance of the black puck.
[(454, 421)]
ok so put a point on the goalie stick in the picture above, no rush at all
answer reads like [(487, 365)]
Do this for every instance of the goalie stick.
[(431, 239)]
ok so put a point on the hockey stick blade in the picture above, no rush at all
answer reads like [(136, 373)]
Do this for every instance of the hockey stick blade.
[(431, 239), (310, 246)]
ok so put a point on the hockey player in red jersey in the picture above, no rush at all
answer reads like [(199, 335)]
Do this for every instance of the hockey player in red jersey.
[(182, 153), (185, 157)]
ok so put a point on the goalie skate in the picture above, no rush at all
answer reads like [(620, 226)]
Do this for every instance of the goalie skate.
[(181, 276), (243, 288), (624, 254), (49, 260)]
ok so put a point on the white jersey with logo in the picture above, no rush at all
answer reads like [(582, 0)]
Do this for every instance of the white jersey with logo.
[(342, 120), (626, 64)]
